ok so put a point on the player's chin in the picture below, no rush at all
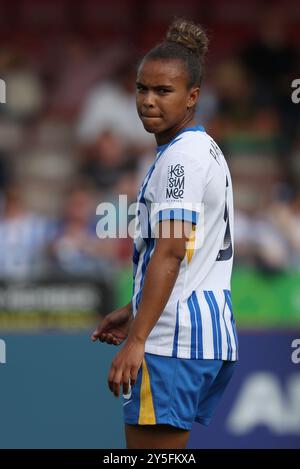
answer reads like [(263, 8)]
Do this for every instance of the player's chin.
[(152, 126)]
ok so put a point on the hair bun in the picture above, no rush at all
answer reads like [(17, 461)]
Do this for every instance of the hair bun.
[(189, 35)]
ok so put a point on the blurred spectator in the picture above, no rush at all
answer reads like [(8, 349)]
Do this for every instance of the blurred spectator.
[(273, 62), (243, 237), (248, 133), (112, 105), (77, 251), (271, 59), (285, 217), (45, 163), (79, 67), (271, 247), (24, 237), (207, 106), (107, 160), (4, 170), (270, 237), (126, 186), (241, 125), (24, 91)]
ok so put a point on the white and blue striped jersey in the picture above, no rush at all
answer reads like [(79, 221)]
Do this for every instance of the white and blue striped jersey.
[(190, 180)]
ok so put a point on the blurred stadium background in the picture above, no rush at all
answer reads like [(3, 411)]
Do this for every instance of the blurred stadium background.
[(70, 139)]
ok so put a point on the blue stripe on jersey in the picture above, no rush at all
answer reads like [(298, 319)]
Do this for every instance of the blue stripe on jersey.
[(146, 260), (214, 324), (229, 346), (136, 256), (176, 333), (199, 325), (229, 303), (217, 313), (162, 148), (195, 128), (193, 327), (197, 329), (178, 214), (188, 129), (174, 141), (135, 260)]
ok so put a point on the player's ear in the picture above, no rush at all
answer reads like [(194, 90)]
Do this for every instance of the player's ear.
[(193, 97)]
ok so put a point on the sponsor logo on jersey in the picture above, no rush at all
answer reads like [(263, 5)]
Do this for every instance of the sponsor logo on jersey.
[(175, 183)]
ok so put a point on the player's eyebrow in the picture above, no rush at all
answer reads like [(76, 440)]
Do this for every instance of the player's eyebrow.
[(156, 87)]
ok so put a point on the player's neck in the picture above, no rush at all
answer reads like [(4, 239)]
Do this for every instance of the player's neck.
[(167, 136)]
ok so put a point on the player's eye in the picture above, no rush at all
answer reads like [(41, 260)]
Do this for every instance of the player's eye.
[(140, 88), (164, 90)]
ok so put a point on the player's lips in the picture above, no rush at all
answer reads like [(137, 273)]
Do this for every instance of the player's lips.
[(148, 116)]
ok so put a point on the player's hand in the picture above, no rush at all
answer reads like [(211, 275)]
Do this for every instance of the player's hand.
[(125, 367), (114, 328)]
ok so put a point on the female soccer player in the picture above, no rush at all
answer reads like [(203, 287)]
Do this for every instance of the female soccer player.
[(181, 342)]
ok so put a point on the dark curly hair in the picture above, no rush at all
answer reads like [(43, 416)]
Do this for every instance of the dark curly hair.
[(185, 41)]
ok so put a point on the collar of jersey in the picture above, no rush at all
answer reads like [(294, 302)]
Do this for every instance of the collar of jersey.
[(199, 128)]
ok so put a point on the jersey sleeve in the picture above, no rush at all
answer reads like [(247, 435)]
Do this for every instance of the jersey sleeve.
[(177, 189)]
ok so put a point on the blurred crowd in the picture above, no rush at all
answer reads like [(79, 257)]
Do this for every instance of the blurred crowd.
[(70, 137)]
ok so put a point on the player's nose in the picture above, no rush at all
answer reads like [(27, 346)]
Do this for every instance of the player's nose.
[(149, 100)]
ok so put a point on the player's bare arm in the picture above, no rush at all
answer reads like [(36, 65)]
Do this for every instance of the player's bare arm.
[(160, 278)]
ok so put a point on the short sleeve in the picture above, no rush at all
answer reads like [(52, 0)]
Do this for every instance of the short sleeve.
[(177, 188)]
